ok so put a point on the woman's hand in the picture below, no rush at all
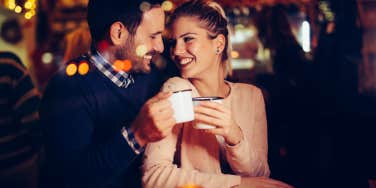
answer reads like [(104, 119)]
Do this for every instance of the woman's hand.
[(218, 115)]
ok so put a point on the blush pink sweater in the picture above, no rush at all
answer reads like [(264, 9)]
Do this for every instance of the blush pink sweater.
[(189, 156)]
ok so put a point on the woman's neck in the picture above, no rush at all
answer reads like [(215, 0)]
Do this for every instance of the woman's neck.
[(211, 85)]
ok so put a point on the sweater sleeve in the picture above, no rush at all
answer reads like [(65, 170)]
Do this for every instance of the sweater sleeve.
[(249, 157), (159, 170), (72, 156)]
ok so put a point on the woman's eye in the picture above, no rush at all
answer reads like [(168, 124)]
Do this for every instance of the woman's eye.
[(187, 39)]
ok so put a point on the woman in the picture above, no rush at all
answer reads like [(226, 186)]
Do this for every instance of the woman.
[(237, 147)]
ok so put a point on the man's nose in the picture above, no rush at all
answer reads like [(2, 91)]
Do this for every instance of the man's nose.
[(158, 46)]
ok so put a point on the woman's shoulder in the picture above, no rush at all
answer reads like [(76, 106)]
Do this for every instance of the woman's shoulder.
[(245, 90), (176, 84), (245, 87)]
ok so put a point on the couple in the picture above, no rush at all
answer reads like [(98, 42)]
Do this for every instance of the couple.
[(97, 125)]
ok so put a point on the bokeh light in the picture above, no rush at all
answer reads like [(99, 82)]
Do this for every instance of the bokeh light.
[(47, 58), (145, 6), (122, 65), (167, 6), (83, 68), (28, 15), (28, 5), (71, 69), (141, 50), (190, 186), (11, 6), (18, 9), (234, 54)]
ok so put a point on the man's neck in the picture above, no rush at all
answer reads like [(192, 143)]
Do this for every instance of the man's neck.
[(108, 54)]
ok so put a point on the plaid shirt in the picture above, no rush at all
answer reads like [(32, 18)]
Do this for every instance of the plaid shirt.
[(121, 79)]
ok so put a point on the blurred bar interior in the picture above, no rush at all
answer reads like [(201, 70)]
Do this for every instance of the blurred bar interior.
[(320, 96)]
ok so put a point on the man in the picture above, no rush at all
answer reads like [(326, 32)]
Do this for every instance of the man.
[(98, 120), (19, 124)]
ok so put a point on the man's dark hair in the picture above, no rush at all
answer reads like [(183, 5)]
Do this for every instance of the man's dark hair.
[(101, 14)]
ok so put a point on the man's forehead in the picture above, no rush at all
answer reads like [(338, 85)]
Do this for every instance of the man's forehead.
[(153, 19), (153, 12)]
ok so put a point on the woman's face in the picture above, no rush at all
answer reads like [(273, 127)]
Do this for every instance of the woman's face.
[(192, 50)]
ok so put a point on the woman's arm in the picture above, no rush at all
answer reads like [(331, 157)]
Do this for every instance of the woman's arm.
[(159, 170), (249, 157)]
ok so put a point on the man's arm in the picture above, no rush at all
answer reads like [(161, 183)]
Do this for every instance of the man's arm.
[(68, 122)]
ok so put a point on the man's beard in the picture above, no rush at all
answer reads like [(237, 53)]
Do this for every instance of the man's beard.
[(128, 52)]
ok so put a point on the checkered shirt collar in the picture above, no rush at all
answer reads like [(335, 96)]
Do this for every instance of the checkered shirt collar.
[(120, 78)]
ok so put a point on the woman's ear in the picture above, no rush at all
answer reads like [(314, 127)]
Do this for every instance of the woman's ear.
[(118, 33), (220, 42)]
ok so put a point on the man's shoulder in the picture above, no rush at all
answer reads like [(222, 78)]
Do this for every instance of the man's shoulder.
[(73, 71), (72, 77)]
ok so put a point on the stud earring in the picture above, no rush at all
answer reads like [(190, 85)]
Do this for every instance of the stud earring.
[(217, 52)]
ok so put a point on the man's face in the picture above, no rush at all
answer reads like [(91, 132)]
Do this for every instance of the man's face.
[(147, 42)]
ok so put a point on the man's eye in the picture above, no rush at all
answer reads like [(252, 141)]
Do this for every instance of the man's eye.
[(187, 39), (155, 36)]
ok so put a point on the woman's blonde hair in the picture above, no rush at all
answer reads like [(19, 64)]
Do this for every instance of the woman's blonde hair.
[(213, 18)]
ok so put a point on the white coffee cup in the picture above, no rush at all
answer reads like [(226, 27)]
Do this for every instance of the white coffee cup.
[(182, 105), (196, 101)]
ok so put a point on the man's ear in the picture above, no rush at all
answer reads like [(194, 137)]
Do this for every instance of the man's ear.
[(220, 41), (118, 33)]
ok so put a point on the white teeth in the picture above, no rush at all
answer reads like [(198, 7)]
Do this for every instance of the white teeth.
[(185, 61), (148, 57)]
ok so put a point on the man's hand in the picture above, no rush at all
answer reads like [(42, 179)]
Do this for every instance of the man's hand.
[(262, 182), (155, 119)]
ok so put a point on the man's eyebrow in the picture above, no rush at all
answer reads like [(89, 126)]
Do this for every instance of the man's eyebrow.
[(156, 33), (185, 34)]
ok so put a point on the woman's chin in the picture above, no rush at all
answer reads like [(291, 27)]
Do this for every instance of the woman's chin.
[(185, 74)]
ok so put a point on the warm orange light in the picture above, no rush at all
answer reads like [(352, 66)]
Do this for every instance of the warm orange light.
[(122, 65), (190, 186), (127, 65), (234, 54), (118, 65), (71, 69), (83, 68)]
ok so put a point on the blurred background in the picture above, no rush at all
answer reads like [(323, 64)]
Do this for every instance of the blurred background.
[(315, 61)]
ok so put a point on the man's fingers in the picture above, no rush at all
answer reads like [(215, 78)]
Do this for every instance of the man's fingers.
[(163, 114), (161, 95)]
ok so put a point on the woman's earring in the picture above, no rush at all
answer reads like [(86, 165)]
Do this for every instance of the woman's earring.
[(217, 52)]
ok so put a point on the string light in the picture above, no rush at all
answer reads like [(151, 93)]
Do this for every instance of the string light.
[(71, 69), (83, 68), (28, 8)]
